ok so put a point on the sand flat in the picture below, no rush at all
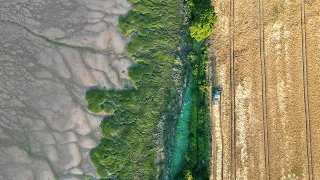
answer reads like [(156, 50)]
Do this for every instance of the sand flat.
[(46, 69)]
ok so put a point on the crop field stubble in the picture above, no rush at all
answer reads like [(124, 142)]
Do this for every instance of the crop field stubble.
[(266, 62)]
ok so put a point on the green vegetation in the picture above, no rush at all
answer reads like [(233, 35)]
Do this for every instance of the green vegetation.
[(197, 158), (202, 19), (127, 149), (190, 158), (180, 146)]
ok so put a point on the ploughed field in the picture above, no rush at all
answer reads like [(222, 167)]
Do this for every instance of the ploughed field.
[(265, 56)]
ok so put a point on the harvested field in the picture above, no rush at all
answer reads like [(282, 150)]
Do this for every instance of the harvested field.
[(312, 66), (265, 56)]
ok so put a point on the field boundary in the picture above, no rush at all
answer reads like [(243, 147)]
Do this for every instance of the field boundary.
[(232, 96), (263, 87), (213, 145), (305, 88), (221, 134)]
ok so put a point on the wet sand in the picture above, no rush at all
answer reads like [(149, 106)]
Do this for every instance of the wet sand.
[(46, 131)]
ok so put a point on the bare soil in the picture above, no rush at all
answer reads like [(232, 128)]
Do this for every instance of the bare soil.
[(312, 15)]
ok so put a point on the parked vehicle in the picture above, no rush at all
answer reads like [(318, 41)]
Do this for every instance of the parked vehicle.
[(216, 96)]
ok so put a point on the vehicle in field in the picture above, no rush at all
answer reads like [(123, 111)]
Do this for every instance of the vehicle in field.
[(216, 96)]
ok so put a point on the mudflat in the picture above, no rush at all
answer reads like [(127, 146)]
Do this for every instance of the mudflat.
[(51, 53)]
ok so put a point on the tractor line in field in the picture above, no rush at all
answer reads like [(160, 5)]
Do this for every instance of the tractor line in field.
[(232, 95), (305, 85), (221, 135), (216, 169), (264, 101), (213, 146)]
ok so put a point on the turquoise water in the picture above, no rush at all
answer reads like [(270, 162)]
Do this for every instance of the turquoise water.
[(181, 142)]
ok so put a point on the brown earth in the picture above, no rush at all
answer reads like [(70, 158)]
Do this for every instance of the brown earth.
[(265, 56), (312, 15)]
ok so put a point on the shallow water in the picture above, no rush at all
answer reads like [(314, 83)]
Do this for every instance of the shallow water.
[(181, 142)]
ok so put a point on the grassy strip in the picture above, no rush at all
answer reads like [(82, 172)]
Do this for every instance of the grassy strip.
[(127, 149)]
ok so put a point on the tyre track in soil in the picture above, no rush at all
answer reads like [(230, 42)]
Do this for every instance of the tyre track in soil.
[(217, 139), (264, 95), (216, 128), (267, 86), (312, 34), (221, 134), (219, 52), (305, 85), (232, 96), (233, 166), (285, 90), (250, 154), (213, 142), (213, 135)]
